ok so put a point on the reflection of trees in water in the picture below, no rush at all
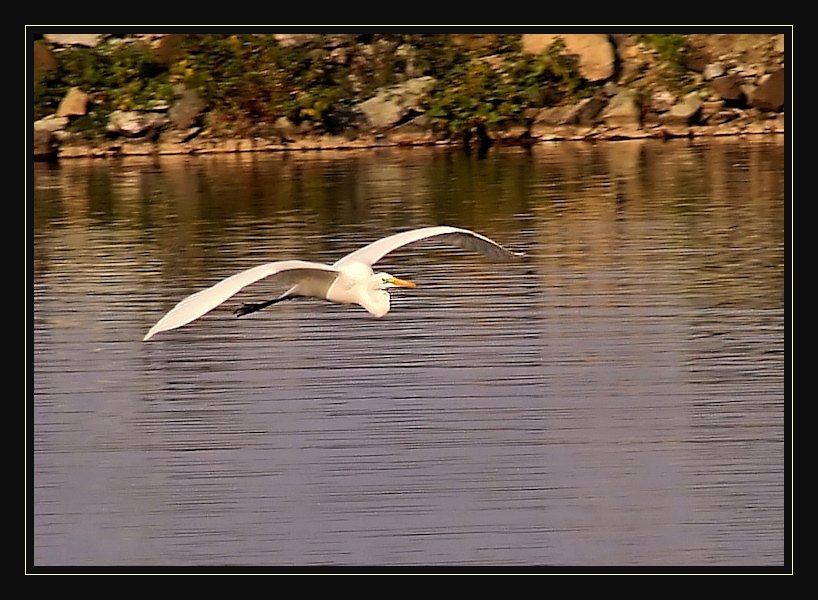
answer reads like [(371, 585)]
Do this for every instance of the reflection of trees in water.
[(702, 218)]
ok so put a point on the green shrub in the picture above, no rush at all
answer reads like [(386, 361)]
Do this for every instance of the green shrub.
[(670, 47), (124, 77), (474, 92), (247, 80), (672, 50)]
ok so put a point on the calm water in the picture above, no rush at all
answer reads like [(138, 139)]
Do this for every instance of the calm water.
[(614, 398)]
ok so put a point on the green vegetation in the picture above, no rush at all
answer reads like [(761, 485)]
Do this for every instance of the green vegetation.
[(672, 73), (252, 78), (118, 76), (246, 81), (670, 47), (672, 50), (476, 93)]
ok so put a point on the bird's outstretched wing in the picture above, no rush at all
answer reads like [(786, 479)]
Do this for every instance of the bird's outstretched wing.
[(198, 304), (462, 238)]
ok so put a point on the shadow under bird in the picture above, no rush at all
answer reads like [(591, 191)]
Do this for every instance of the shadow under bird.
[(350, 280)]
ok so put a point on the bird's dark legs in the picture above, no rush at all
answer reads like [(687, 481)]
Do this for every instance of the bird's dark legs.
[(251, 307)]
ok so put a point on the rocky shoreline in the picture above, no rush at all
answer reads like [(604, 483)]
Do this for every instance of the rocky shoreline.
[(114, 149), (736, 85)]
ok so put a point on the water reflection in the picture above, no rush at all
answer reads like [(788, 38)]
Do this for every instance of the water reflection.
[(614, 398)]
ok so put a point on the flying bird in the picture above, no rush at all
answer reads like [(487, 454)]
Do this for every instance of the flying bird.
[(349, 280)]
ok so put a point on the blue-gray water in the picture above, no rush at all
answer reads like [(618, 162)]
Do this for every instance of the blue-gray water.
[(616, 397)]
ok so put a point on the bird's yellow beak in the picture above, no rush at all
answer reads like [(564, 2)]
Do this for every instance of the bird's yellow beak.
[(402, 282)]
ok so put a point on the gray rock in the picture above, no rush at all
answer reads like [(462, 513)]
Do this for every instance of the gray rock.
[(586, 111), (415, 131), (684, 112), (611, 89), (409, 54), (134, 123), (582, 113), (46, 140), (662, 101), (622, 111), (551, 116), (713, 70), (51, 123), (286, 130), (382, 113), (711, 110), (45, 144), (392, 105), (748, 71), (174, 136), (186, 109)]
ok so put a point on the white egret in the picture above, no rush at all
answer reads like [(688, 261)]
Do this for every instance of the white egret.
[(350, 280)]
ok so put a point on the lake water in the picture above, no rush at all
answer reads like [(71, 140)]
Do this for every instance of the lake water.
[(614, 398)]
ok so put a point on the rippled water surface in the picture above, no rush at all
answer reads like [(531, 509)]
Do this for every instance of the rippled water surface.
[(616, 397)]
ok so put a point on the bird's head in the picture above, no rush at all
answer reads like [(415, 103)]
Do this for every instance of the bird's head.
[(385, 281)]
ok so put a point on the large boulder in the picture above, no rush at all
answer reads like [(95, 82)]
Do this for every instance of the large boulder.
[(622, 111), (73, 39), (395, 104), (728, 87), (134, 123), (73, 104), (684, 112), (46, 140), (582, 113), (595, 53), (186, 109), (769, 94)]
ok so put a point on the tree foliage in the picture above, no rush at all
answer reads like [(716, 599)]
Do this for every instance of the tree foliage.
[(247, 79)]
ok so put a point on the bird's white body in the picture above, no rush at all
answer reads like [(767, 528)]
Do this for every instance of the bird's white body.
[(355, 285), (350, 280)]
